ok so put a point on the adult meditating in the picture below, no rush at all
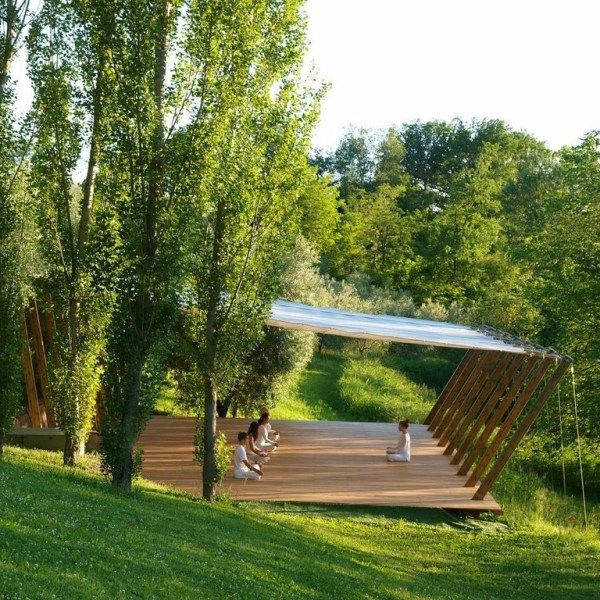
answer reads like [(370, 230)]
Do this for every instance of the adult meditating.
[(254, 453), (400, 452), (242, 467), (263, 441), (272, 433)]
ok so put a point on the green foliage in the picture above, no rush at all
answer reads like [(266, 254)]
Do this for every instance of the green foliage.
[(375, 238), (222, 451), (318, 203), (65, 48), (373, 392), (18, 235)]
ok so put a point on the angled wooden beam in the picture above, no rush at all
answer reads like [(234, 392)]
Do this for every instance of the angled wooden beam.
[(497, 414), (461, 428), (32, 398), (443, 397), (34, 326), (454, 386), (488, 366), (512, 416), (518, 361), (521, 430), (464, 392)]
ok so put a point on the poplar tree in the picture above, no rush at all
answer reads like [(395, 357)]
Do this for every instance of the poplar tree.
[(69, 49), (250, 197), (16, 235)]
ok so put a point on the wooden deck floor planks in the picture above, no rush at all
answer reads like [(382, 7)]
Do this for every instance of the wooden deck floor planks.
[(320, 462)]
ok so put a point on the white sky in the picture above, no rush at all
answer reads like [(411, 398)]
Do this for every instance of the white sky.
[(533, 63)]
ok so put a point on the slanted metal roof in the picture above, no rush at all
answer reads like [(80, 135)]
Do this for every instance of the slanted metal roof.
[(293, 315)]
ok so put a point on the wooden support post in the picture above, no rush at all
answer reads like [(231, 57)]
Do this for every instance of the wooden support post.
[(32, 397), (486, 367), (454, 386), (464, 393), (34, 326), (518, 360), (513, 415), (443, 397), (497, 414), (522, 429), (458, 429)]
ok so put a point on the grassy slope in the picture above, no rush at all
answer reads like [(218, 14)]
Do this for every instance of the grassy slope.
[(340, 388), (316, 394), (66, 534)]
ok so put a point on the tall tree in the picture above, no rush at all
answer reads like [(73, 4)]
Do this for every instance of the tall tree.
[(69, 45), (16, 234), (566, 259), (137, 163), (250, 194)]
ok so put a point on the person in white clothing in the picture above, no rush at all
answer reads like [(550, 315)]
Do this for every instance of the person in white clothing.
[(263, 441), (272, 433), (400, 452), (254, 453), (242, 467)]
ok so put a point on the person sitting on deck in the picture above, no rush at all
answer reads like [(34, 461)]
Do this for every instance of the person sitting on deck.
[(254, 453), (264, 442), (272, 433), (401, 452), (242, 467)]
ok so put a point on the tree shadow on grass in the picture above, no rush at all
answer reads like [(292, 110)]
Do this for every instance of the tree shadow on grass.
[(73, 536)]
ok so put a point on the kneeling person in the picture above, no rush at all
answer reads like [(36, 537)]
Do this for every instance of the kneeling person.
[(242, 467)]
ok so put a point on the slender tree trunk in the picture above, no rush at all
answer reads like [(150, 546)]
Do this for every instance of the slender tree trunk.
[(123, 475), (1, 442), (71, 451), (209, 465), (222, 408)]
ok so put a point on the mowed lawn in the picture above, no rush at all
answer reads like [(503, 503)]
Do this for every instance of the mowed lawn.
[(67, 534)]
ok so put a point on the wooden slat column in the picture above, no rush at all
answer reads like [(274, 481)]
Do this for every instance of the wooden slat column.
[(35, 414), (487, 366), (517, 362), (464, 394), (461, 427), (522, 429), (497, 414), (443, 397), (34, 326), (454, 386), (512, 416)]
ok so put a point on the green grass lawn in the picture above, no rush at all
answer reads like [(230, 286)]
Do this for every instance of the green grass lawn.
[(315, 396), (67, 534), (335, 387)]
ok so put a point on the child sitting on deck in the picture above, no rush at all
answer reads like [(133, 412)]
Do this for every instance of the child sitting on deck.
[(270, 431), (401, 452), (242, 467)]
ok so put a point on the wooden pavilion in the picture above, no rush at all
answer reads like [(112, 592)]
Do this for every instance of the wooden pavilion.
[(495, 395)]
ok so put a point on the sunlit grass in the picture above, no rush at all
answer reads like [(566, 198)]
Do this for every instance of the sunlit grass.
[(64, 533)]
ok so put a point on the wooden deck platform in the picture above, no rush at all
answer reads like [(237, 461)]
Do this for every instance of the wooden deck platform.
[(320, 462)]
